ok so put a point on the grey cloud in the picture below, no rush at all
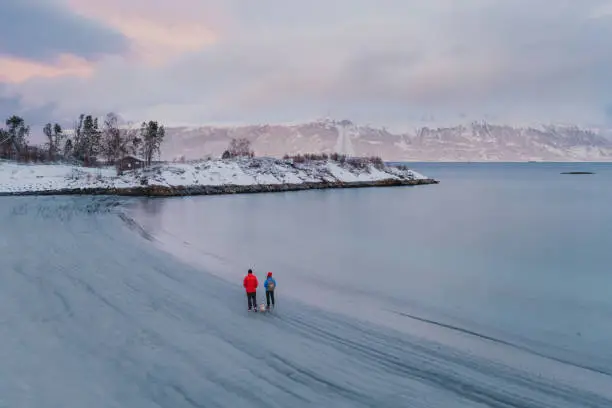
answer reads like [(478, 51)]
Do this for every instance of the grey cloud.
[(35, 116), (533, 57), (8, 107), (525, 59), (41, 29)]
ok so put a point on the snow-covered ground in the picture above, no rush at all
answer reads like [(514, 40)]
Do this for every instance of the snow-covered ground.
[(43, 177), (93, 316)]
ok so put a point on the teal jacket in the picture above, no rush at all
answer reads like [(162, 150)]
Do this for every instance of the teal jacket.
[(268, 280)]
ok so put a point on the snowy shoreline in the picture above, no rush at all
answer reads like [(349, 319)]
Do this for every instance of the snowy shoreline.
[(206, 177), (177, 191)]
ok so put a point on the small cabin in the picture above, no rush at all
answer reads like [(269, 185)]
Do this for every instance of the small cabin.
[(130, 163)]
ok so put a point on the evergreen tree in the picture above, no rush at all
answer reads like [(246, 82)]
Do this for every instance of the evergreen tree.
[(17, 133), (152, 134)]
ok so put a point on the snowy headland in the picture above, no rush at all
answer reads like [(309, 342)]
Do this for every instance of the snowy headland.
[(204, 177)]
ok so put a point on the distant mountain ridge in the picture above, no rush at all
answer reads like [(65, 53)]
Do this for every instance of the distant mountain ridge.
[(477, 141)]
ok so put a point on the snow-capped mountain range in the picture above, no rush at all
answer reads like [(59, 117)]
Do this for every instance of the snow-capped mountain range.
[(477, 141)]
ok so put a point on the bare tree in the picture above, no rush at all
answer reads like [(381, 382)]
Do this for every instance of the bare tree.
[(133, 142), (239, 148), (5, 144), (112, 139), (55, 135)]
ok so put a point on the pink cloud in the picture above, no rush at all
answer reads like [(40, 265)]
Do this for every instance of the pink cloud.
[(159, 30), (17, 70), (281, 59)]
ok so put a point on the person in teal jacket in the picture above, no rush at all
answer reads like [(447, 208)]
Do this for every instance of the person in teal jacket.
[(270, 285)]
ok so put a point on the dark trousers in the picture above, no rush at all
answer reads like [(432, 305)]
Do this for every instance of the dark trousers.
[(269, 295), (252, 297)]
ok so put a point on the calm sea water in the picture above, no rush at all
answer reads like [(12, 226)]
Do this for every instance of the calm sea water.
[(517, 252)]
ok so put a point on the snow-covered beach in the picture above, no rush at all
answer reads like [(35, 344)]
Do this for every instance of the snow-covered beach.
[(386, 298), (213, 176)]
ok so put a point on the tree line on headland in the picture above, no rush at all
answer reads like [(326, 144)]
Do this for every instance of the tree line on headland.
[(91, 144), (85, 144), (88, 141)]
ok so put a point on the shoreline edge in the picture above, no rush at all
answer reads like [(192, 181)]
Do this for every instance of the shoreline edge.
[(227, 189)]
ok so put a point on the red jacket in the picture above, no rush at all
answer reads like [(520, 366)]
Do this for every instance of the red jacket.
[(250, 283)]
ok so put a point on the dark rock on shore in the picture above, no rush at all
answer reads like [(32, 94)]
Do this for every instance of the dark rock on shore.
[(176, 191)]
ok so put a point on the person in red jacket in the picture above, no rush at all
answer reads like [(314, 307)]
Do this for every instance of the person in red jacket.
[(250, 284)]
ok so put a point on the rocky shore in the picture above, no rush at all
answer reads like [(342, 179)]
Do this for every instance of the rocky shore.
[(177, 191)]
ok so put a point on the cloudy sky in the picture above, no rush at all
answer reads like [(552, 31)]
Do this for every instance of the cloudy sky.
[(391, 62)]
